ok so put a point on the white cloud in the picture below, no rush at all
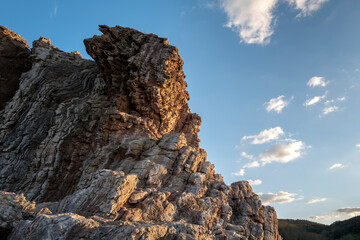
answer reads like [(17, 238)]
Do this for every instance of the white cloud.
[(251, 19), (314, 100), (341, 213), (349, 211), (281, 197), (358, 145), (316, 200), (241, 172), (255, 182), (339, 99), (306, 7), (317, 81), (277, 104), (329, 101), (253, 164), (209, 4), (247, 156), (330, 109), (266, 135), (283, 153), (336, 165), (254, 20), (54, 11)]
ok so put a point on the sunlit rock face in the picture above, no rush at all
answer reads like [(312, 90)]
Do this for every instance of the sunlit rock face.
[(109, 150)]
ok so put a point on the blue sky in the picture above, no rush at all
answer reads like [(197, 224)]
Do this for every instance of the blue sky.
[(276, 83)]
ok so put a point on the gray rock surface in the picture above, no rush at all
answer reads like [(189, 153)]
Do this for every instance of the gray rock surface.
[(14, 60), (109, 150)]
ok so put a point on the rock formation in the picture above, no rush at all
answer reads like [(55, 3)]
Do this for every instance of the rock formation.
[(14, 60), (109, 149)]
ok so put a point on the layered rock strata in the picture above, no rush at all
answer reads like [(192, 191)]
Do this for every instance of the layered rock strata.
[(109, 149)]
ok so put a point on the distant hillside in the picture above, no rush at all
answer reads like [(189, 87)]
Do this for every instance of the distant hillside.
[(301, 230), (306, 230)]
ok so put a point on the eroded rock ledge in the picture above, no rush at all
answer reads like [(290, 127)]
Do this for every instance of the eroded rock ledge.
[(109, 149)]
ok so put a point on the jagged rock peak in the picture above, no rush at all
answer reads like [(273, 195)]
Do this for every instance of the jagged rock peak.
[(14, 60), (145, 73), (109, 150)]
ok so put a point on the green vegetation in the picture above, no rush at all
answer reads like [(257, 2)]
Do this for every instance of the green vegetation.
[(306, 230)]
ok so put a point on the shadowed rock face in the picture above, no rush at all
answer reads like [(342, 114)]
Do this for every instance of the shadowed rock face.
[(109, 150), (14, 60)]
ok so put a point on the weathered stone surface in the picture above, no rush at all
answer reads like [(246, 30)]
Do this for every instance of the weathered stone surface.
[(15, 208), (144, 73), (109, 150), (107, 193), (14, 60)]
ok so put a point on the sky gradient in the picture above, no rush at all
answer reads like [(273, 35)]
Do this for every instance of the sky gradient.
[(276, 83)]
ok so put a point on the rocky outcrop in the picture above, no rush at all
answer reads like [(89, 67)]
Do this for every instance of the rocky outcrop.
[(14, 60), (109, 150)]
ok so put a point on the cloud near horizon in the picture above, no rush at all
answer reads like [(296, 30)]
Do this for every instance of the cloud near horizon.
[(277, 104), (254, 20), (341, 213), (281, 197)]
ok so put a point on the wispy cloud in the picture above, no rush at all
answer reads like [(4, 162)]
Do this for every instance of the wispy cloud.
[(306, 7), (277, 104), (314, 100), (255, 182), (265, 136), (253, 164), (239, 173), (281, 197), (339, 99), (341, 213), (283, 153), (247, 156), (54, 11), (209, 4), (317, 81), (316, 200), (330, 109), (336, 165)]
